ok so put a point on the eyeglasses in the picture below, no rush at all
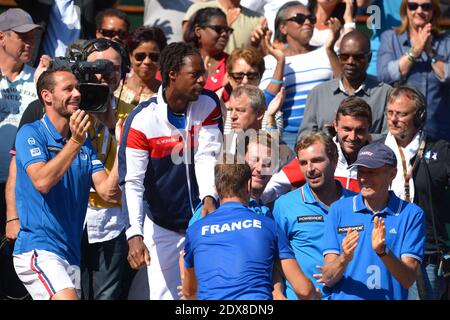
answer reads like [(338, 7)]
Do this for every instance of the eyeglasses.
[(239, 76), (111, 33), (221, 29), (391, 113), (140, 56), (300, 18), (343, 57), (414, 6)]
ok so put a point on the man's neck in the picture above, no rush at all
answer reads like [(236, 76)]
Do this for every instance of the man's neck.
[(176, 102), (376, 204), (405, 140), (229, 4), (60, 123), (329, 193), (10, 67), (234, 199), (352, 85)]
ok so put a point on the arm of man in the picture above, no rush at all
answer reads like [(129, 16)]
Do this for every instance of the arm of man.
[(44, 175), (302, 285), (403, 270), (133, 160), (336, 264), (205, 158), (12, 216), (189, 284), (278, 283)]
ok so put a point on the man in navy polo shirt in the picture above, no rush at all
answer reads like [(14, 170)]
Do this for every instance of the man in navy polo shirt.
[(302, 213), (374, 241), (55, 167), (230, 254)]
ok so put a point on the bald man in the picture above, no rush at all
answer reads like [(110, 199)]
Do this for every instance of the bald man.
[(354, 58)]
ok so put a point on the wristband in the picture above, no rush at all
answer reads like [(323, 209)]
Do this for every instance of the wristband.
[(385, 252), (276, 82), (350, 25), (13, 219)]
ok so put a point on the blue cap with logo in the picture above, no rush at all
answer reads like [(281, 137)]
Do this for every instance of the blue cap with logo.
[(375, 155)]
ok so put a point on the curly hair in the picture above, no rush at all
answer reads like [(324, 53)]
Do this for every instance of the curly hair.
[(146, 34), (172, 58)]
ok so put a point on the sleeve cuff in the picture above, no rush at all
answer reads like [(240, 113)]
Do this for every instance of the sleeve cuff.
[(134, 231), (393, 68)]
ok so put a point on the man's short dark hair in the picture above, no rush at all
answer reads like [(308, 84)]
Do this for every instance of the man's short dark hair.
[(111, 12), (47, 81), (172, 58), (231, 179), (354, 107)]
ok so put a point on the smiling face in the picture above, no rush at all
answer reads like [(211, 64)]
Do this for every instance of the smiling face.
[(374, 182), (353, 133), (419, 17), (65, 97), (147, 68), (316, 166), (258, 157)]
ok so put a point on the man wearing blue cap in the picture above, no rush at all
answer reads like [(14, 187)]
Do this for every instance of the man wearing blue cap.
[(374, 241)]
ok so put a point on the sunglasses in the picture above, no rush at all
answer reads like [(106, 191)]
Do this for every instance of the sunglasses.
[(221, 29), (414, 6), (111, 33), (357, 57), (239, 76), (140, 56), (300, 18)]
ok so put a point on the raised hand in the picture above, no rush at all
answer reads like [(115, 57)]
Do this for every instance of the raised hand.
[(349, 244), (378, 235), (348, 14), (259, 32), (79, 124), (335, 27)]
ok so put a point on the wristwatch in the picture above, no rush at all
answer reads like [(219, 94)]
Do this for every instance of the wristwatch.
[(385, 251)]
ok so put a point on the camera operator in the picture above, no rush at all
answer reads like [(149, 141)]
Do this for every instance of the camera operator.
[(104, 265), (55, 167)]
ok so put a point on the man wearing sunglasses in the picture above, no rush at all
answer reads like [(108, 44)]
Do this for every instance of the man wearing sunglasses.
[(112, 24), (324, 99)]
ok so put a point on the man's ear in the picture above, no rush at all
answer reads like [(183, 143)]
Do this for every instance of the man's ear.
[(47, 96), (172, 75)]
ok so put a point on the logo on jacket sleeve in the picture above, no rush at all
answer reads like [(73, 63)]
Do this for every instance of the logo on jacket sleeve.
[(35, 152)]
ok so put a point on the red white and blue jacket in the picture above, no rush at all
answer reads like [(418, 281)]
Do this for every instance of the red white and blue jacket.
[(159, 179)]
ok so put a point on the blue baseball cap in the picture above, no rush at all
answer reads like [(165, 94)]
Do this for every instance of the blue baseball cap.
[(375, 155)]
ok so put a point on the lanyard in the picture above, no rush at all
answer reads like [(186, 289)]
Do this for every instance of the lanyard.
[(407, 173)]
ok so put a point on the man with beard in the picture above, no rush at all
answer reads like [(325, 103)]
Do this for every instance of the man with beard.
[(324, 99), (55, 167), (302, 213), (352, 126), (162, 184)]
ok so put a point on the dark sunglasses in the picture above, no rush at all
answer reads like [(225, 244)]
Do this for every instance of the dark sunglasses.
[(357, 57), (239, 76), (414, 6), (221, 29), (140, 56), (300, 18), (111, 33)]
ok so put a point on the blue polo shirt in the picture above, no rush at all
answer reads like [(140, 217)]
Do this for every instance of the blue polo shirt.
[(302, 218), (366, 277), (233, 251), (52, 221), (255, 205)]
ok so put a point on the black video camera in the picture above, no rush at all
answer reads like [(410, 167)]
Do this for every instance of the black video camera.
[(93, 94)]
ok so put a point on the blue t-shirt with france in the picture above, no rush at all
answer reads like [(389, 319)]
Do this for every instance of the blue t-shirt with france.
[(52, 221), (302, 218), (232, 251), (366, 277)]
